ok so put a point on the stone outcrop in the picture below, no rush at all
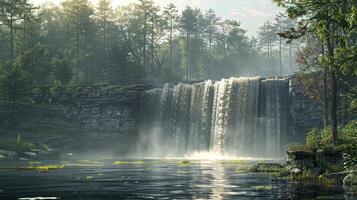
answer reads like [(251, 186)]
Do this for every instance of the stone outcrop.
[(111, 108), (82, 118), (107, 116)]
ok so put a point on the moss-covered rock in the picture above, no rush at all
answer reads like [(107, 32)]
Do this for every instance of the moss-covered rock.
[(301, 159), (350, 180), (267, 167)]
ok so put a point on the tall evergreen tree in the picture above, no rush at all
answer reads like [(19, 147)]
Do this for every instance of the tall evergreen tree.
[(171, 16), (12, 14), (78, 14)]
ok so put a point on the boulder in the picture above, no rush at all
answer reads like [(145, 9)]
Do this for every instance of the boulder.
[(350, 180), (301, 159), (267, 167)]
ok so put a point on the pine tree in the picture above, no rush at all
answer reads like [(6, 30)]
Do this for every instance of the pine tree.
[(78, 15), (12, 14), (171, 16)]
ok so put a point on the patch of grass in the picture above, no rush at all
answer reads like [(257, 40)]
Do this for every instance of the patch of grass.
[(233, 162), (242, 169), (263, 187), (308, 176), (185, 162), (127, 162), (40, 168)]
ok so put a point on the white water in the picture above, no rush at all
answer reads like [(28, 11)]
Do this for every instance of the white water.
[(243, 117)]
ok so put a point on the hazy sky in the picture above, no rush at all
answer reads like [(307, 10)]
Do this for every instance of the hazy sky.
[(252, 13)]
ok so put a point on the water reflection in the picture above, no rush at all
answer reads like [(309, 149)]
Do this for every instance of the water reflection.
[(160, 179), (218, 182)]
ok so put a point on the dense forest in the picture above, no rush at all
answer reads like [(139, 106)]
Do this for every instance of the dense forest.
[(78, 43)]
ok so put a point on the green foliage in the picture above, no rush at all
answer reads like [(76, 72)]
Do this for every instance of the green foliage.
[(322, 140), (76, 42), (317, 140), (352, 99), (349, 145), (309, 176), (62, 69), (14, 84), (16, 144), (268, 168)]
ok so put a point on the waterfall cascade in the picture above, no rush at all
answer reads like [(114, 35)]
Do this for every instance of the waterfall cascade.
[(236, 116)]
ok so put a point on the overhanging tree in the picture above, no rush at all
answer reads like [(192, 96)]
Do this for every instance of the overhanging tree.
[(334, 21)]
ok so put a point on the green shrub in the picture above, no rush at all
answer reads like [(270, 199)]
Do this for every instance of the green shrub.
[(313, 139), (316, 139), (349, 145), (309, 176)]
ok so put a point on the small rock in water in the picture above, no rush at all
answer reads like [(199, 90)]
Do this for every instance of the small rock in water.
[(295, 170)]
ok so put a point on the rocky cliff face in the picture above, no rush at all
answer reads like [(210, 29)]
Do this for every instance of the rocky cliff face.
[(112, 109), (89, 117), (96, 118)]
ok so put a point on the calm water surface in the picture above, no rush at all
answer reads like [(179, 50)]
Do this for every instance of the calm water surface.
[(158, 179)]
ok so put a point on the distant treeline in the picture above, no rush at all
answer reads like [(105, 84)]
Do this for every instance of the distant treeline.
[(80, 43)]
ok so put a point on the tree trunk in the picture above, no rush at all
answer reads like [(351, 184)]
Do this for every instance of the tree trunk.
[(145, 30), (171, 45), (331, 52), (280, 58), (326, 121), (290, 59), (77, 44), (85, 56), (187, 52), (11, 36), (105, 33), (152, 49), (269, 67), (210, 37)]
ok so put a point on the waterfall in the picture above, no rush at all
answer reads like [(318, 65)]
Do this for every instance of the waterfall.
[(236, 116)]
